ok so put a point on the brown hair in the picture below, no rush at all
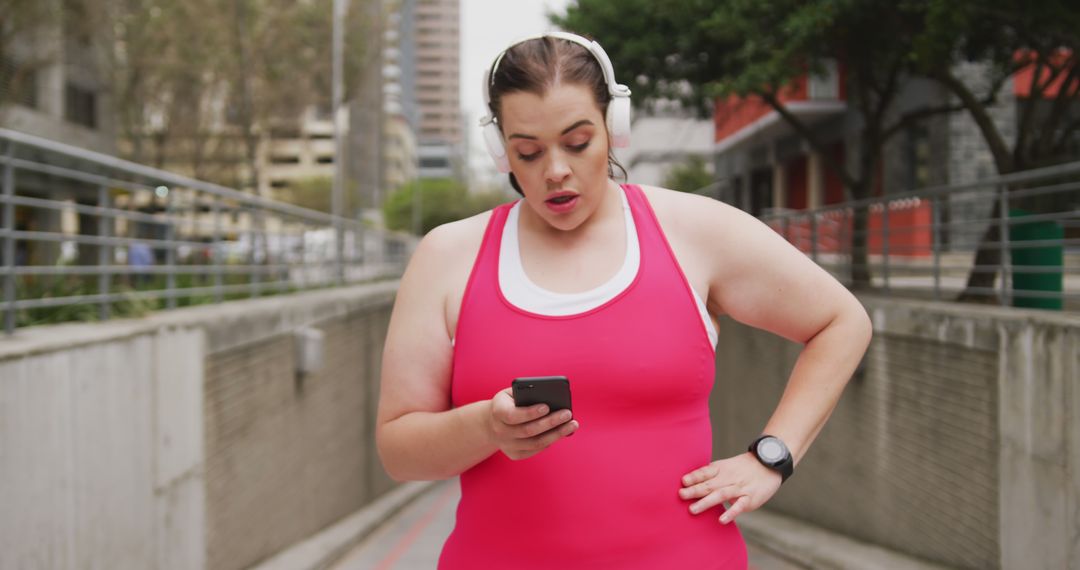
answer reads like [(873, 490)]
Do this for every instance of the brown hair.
[(536, 65)]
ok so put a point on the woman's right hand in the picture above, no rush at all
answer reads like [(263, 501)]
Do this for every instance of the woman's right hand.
[(521, 433)]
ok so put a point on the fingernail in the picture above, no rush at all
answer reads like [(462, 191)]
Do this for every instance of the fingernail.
[(543, 410), (694, 509), (724, 519)]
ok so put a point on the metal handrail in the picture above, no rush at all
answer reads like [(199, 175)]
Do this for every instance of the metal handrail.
[(905, 251), (191, 228)]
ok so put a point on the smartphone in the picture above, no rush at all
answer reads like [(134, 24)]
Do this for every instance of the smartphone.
[(551, 390)]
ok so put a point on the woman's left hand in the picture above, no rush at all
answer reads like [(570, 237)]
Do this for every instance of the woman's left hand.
[(741, 480)]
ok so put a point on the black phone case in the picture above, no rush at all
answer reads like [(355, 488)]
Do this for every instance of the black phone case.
[(551, 390)]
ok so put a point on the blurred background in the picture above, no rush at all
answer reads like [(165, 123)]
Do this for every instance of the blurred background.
[(205, 207)]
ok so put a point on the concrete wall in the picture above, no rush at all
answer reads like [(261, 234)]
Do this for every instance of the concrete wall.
[(185, 440), (957, 441)]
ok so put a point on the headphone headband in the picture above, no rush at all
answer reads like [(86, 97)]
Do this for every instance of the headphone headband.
[(598, 53), (618, 111)]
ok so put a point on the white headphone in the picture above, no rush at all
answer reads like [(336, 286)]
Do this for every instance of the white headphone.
[(618, 111)]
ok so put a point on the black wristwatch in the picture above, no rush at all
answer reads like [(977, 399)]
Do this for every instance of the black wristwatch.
[(772, 453)]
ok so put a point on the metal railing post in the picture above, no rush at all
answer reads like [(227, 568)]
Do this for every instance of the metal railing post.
[(935, 237), (1004, 264), (253, 263), (170, 251), (9, 241), (844, 248), (105, 253), (885, 243), (216, 251)]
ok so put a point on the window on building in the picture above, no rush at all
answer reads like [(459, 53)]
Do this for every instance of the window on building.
[(18, 84), (80, 106), (918, 158), (434, 162), (280, 132), (327, 159), (279, 183), (285, 159)]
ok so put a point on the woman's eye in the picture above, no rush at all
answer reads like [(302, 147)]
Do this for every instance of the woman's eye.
[(578, 147), (528, 157)]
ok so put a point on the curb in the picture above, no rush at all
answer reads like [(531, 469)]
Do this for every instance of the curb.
[(322, 549), (814, 547)]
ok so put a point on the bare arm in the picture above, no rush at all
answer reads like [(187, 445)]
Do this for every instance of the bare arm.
[(419, 437), (766, 283), (759, 279), (418, 434)]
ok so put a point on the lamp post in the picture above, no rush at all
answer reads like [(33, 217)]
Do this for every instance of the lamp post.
[(341, 8)]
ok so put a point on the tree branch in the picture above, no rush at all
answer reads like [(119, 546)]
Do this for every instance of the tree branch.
[(912, 117), (886, 96), (1063, 139), (807, 135), (1028, 108), (1002, 157), (1062, 102)]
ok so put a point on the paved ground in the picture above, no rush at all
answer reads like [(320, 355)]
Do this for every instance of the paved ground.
[(412, 539)]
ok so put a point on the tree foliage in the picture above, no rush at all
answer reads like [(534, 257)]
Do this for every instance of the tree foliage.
[(442, 200), (690, 176), (313, 193), (700, 50), (200, 84)]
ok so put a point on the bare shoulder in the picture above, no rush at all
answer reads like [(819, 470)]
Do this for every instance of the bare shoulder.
[(700, 225), (688, 211), (452, 241), (443, 262)]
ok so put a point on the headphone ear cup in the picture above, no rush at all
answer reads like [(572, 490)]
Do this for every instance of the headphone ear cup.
[(494, 142), (618, 121)]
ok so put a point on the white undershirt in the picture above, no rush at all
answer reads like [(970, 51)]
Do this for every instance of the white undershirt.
[(523, 293)]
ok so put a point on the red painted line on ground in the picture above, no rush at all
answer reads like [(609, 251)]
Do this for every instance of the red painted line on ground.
[(410, 537)]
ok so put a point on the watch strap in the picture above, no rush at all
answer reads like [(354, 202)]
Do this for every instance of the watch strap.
[(785, 467)]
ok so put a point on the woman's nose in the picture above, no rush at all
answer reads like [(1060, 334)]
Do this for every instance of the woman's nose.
[(558, 168)]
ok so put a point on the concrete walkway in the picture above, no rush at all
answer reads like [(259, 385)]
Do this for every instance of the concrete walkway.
[(405, 530), (412, 539)]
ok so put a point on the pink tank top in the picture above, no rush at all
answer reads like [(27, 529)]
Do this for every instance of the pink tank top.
[(640, 369)]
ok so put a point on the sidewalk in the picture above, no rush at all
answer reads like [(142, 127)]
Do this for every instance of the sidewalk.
[(413, 538), (405, 530)]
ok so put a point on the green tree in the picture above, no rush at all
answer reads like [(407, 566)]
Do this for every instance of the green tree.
[(313, 193), (1040, 38), (699, 51), (752, 48), (690, 176), (442, 200)]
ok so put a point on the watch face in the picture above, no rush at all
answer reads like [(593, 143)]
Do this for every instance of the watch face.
[(771, 450)]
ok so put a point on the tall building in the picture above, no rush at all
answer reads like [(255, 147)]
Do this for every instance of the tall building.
[(54, 79), (437, 60), (300, 153), (55, 84), (400, 116)]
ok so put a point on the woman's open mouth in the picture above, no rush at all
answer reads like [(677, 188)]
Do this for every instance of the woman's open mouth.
[(562, 203)]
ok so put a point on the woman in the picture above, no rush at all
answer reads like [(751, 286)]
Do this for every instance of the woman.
[(618, 288)]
